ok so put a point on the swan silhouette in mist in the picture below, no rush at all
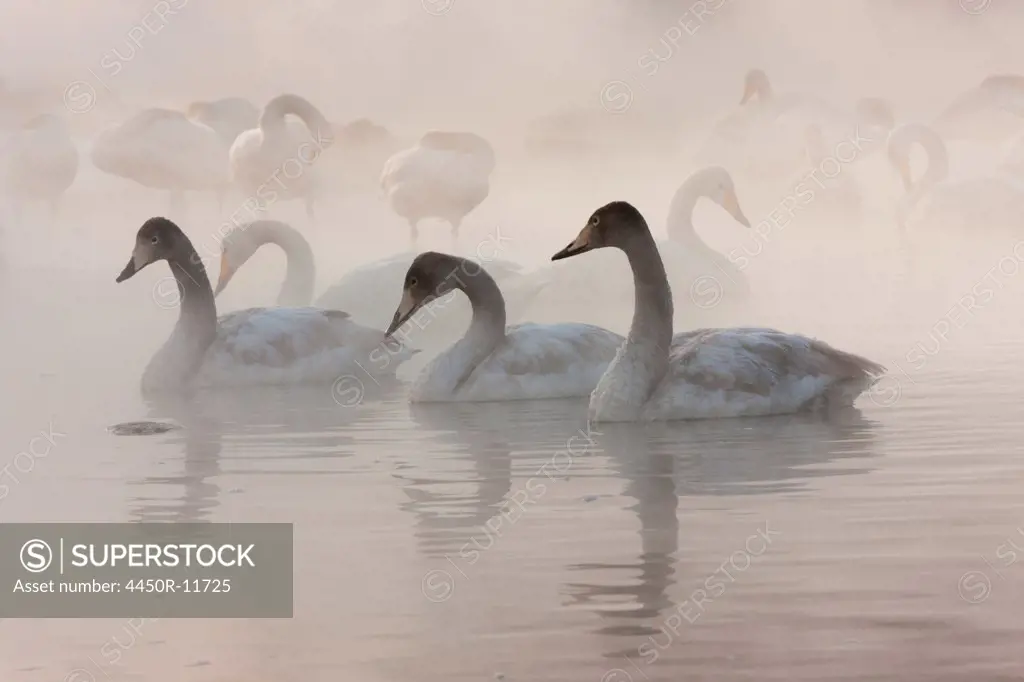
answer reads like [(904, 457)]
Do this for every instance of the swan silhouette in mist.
[(935, 200), (276, 161), (366, 292), (256, 346), (990, 112), (705, 373), (360, 150), (691, 263), (229, 117), (445, 175), (163, 149), (527, 361), (39, 163)]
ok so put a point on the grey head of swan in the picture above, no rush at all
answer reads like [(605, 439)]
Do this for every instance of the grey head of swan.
[(756, 83), (618, 224), (433, 275), (241, 242)]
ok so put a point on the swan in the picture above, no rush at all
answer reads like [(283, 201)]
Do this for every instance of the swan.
[(163, 149), (936, 200), (694, 266), (229, 117), (989, 112), (361, 290), (40, 162), (446, 175), (360, 150), (527, 361), (276, 161), (257, 346), (705, 373), (823, 199)]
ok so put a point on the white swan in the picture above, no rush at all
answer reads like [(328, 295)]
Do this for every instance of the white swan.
[(163, 149), (989, 112), (705, 373), (258, 346), (527, 361), (39, 162), (701, 273), (446, 175), (360, 150), (936, 200), (230, 116), (276, 161)]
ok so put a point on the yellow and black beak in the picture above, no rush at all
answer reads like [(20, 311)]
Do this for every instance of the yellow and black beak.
[(732, 204), (226, 273), (582, 244), (406, 309)]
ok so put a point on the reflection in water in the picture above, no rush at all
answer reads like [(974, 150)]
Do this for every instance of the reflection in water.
[(263, 432), (487, 434), (663, 462)]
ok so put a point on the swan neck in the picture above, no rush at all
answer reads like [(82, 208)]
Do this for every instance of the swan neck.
[(300, 274), (680, 216), (487, 327), (653, 311), (198, 314)]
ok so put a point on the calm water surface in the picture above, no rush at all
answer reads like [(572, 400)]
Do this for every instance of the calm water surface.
[(465, 542)]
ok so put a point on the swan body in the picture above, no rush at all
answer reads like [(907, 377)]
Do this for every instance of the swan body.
[(936, 201), (276, 161), (360, 150), (229, 117), (706, 373), (446, 175), (163, 149), (40, 161), (491, 363), (258, 346)]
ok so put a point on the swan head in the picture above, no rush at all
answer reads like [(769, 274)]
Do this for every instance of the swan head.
[(158, 239), (430, 276), (716, 184), (755, 83), (614, 224)]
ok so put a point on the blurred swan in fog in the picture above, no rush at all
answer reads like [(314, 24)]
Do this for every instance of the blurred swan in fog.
[(275, 161), (693, 266), (253, 346), (830, 201), (364, 292), (39, 163), (990, 112), (446, 175), (705, 373), (527, 361), (163, 149), (935, 201), (229, 117), (360, 150)]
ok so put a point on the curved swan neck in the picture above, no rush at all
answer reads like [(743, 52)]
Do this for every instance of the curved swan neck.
[(272, 119), (198, 314), (653, 312), (680, 213), (300, 275), (488, 324)]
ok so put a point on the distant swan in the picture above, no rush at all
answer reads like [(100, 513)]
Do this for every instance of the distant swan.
[(528, 361), (446, 175), (705, 373), (693, 266), (276, 161), (362, 290), (935, 201), (989, 112), (163, 149), (39, 163), (257, 346), (229, 117)]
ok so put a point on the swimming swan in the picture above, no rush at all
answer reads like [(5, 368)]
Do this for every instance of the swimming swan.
[(705, 373), (935, 201), (40, 162), (163, 149), (257, 346), (276, 161), (527, 361), (446, 175)]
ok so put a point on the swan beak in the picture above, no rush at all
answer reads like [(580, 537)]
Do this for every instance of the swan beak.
[(581, 244), (139, 260), (406, 308), (732, 204), (226, 273)]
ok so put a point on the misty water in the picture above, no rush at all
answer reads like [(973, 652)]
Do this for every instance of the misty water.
[(515, 540)]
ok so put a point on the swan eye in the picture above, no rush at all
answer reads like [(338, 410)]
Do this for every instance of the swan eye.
[(595, 220), (412, 281), (155, 240)]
